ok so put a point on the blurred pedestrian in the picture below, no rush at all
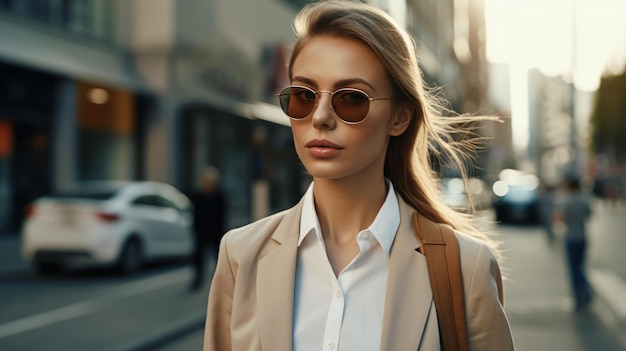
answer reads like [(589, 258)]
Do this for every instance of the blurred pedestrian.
[(341, 270), (209, 216), (574, 211)]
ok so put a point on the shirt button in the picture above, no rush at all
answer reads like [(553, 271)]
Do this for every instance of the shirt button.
[(330, 344), (337, 293), (365, 236)]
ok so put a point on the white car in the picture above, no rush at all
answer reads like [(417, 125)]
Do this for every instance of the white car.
[(122, 224)]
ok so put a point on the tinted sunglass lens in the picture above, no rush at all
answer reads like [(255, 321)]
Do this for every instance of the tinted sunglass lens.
[(351, 105), (297, 102)]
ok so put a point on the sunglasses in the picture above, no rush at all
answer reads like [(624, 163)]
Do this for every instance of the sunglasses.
[(351, 105)]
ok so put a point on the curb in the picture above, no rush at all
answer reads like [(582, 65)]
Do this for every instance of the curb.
[(12, 264), (167, 334)]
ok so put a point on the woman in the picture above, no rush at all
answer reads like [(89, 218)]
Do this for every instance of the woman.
[(340, 270)]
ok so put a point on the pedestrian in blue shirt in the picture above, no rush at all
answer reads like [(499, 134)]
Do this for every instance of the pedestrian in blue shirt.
[(574, 211)]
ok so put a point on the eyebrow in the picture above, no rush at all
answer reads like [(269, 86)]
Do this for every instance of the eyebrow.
[(338, 84)]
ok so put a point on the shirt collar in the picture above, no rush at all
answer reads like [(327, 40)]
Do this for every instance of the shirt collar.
[(308, 220), (384, 226)]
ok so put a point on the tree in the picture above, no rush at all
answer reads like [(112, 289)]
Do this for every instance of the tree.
[(608, 118)]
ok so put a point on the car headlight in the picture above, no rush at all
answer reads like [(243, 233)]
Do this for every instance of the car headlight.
[(500, 188)]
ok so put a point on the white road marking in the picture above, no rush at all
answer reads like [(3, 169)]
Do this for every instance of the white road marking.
[(90, 306), (612, 288), (46, 318)]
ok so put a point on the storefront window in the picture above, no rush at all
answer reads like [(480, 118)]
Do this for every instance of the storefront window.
[(106, 127), (259, 168)]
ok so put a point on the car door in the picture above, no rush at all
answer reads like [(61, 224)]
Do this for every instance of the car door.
[(155, 218), (177, 222)]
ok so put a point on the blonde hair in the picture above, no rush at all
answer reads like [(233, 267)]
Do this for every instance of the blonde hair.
[(407, 162)]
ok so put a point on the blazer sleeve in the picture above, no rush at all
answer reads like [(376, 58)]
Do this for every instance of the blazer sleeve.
[(487, 324), (217, 335)]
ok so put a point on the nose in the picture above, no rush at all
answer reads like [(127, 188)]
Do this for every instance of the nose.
[(323, 113)]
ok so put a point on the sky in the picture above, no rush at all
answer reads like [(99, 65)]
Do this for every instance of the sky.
[(576, 39), (546, 34)]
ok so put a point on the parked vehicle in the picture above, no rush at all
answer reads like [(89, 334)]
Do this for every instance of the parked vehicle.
[(517, 198), (122, 224), (456, 196)]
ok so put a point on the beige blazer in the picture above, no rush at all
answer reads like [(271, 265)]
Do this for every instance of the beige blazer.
[(250, 303)]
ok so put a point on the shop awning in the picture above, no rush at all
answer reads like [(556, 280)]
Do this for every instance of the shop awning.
[(58, 54)]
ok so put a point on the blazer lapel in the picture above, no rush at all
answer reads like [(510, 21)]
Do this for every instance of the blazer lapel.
[(275, 284), (409, 298)]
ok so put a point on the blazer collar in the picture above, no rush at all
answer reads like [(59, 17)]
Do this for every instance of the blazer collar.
[(275, 284), (408, 298)]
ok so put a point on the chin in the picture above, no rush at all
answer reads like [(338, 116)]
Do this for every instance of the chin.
[(329, 173)]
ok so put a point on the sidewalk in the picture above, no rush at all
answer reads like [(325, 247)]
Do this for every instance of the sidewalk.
[(538, 303)]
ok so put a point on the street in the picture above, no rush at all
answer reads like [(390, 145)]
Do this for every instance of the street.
[(96, 309), (154, 310)]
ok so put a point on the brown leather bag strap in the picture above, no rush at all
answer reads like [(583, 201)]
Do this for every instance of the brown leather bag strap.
[(441, 248)]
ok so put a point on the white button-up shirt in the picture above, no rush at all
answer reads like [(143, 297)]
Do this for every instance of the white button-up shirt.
[(345, 312)]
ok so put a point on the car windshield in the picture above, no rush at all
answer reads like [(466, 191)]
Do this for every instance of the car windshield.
[(90, 194), (521, 194), (89, 190)]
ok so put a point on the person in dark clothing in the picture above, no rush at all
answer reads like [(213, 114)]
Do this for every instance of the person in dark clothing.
[(209, 215)]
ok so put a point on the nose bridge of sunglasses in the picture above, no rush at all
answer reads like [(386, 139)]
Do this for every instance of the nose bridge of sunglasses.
[(324, 98), (341, 102)]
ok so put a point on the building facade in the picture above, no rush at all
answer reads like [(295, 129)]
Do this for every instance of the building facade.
[(70, 99)]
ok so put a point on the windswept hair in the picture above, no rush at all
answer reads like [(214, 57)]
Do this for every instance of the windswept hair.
[(429, 134)]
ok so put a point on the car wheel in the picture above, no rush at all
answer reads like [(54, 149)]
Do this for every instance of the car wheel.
[(47, 268), (131, 259)]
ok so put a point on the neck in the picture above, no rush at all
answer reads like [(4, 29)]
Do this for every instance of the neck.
[(345, 207)]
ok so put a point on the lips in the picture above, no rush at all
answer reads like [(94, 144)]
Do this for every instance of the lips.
[(322, 143), (323, 149)]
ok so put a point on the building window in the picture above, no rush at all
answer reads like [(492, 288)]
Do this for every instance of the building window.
[(297, 4), (85, 17), (76, 15)]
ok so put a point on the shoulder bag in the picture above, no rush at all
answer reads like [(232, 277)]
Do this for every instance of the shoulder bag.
[(441, 248)]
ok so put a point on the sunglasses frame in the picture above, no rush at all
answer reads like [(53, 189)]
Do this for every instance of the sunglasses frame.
[(332, 93)]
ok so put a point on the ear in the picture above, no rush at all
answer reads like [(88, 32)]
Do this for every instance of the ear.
[(400, 120)]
